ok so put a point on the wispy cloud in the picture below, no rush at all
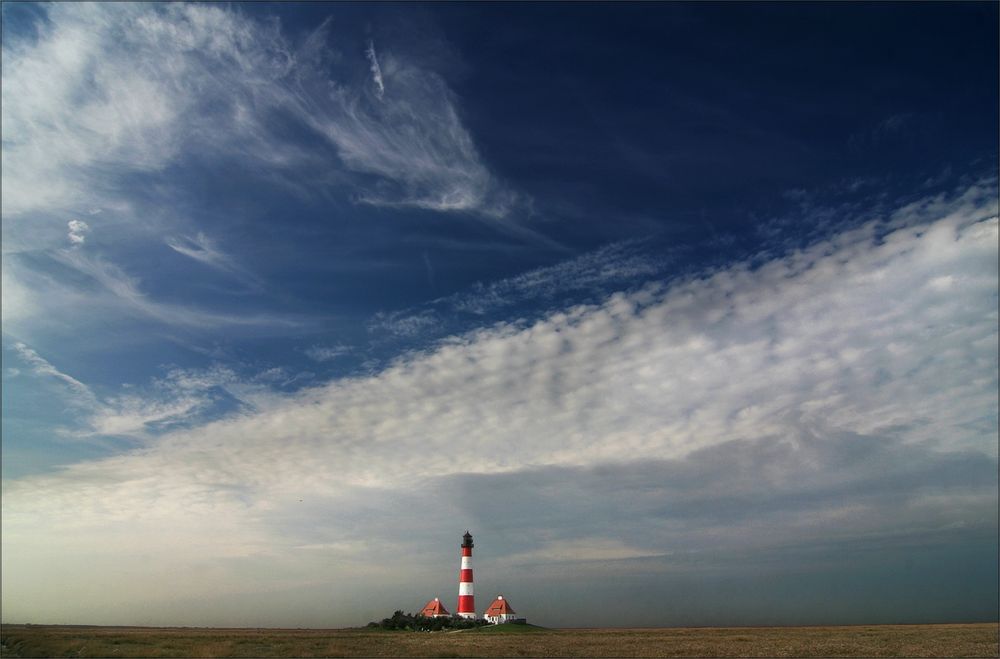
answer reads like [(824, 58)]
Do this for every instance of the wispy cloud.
[(123, 292), (204, 250), (106, 102), (327, 353), (615, 265), (414, 141), (895, 129), (182, 397), (376, 69), (168, 81), (41, 366), (429, 267), (593, 274), (753, 396), (139, 414), (135, 417), (403, 323)]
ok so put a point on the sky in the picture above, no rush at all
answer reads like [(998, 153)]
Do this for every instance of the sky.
[(688, 312)]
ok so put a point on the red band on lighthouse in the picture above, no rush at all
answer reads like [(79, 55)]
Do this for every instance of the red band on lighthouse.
[(466, 596)]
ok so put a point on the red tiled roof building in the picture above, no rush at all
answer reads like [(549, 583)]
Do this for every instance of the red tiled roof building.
[(434, 609), (499, 611)]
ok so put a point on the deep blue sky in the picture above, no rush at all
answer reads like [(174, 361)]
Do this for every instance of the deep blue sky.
[(709, 290)]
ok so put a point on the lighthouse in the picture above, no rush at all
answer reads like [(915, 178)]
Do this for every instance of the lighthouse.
[(466, 598)]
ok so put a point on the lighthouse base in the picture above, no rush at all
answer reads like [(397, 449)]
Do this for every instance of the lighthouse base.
[(467, 616)]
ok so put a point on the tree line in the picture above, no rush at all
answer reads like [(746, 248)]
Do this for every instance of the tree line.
[(420, 623)]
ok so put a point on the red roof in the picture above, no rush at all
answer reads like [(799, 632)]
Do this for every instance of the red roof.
[(434, 608), (500, 606)]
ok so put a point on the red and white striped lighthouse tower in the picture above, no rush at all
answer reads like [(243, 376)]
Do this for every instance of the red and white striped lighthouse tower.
[(466, 597)]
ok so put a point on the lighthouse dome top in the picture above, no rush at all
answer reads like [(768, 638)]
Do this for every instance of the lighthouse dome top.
[(467, 540)]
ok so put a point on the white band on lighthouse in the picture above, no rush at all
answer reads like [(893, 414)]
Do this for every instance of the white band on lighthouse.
[(465, 589), (466, 562)]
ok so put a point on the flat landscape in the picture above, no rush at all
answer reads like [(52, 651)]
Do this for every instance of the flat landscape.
[(952, 640)]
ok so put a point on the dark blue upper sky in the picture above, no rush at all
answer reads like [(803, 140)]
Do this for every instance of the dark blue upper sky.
[(258, 247)]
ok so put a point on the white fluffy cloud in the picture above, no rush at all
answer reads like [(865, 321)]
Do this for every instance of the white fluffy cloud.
[(77, 231), (884, 333)]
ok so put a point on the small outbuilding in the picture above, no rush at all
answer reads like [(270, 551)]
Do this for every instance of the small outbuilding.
[(435, 609), (500, 611)]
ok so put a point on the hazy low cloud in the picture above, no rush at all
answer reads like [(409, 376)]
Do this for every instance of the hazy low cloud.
[(801, 488), (845, 392), (577, 550)]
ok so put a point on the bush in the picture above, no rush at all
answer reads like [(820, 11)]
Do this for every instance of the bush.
[(410, 622)]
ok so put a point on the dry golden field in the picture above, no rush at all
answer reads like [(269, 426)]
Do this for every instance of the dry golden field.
[(974, 640)]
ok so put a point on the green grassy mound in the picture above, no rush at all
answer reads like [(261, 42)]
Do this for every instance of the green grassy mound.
[(509, 628)]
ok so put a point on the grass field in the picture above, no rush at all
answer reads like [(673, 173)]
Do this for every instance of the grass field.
[(977, 640)]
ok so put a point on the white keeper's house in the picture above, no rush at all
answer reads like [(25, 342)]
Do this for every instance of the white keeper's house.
[(500, 611)]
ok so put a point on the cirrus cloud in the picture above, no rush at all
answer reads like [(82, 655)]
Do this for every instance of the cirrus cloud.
[(106, 91)]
